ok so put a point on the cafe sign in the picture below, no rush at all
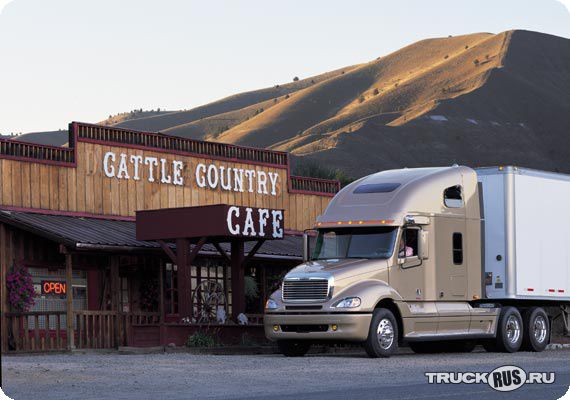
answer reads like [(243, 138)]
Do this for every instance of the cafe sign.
[(205, 175), (220, 221)]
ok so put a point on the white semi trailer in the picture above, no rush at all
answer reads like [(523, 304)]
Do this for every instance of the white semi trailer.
[(438, 258)]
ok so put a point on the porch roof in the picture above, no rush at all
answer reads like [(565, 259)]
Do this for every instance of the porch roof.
[(109, 234)]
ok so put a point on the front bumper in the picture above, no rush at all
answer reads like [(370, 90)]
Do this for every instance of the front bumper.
[(350, 327)]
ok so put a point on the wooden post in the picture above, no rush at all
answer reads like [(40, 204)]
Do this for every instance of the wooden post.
[(161, 290), (3, 303), (115, 302), (69, 298), (184, 283), (238, 289)]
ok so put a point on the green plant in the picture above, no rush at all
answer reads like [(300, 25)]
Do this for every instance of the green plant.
[(375, 92), (250, 288), (295, 79), (201, 339), (315, 170)]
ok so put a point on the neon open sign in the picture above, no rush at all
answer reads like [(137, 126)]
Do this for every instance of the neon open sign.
[(53, 288)]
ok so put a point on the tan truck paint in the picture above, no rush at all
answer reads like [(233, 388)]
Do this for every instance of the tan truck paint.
[(431, 292)]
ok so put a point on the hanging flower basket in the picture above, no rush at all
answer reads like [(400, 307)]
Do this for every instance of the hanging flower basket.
[(21, 291)]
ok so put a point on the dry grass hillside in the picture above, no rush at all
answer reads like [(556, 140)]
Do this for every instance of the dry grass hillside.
[(478, 99)]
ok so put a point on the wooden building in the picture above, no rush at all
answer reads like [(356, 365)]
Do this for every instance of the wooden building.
[(68, 216)]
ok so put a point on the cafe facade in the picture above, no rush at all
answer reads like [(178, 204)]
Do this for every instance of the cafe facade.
[(141, 239)]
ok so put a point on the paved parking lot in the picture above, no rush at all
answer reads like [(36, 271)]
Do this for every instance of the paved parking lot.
[(187, 376)]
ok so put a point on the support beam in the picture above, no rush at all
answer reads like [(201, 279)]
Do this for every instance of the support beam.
[(253, 251), (69, 300), (238, 289), (222, 252), (183, 276), (4, 308), (115, 300), (167, 250)]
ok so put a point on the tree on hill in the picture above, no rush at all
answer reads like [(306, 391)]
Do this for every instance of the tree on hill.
[(295, 79)]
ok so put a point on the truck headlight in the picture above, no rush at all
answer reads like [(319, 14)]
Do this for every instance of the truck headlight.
[(349, 302), (271, 305)]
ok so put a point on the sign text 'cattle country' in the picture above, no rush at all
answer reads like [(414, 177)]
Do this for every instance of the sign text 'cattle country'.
[(213, 176)]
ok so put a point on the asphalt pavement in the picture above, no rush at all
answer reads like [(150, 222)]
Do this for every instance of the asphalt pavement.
[(188, 376)]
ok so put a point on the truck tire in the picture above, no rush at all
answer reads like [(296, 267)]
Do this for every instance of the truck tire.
[(382, 338), (536, 329), (510, 330), (293, 348)]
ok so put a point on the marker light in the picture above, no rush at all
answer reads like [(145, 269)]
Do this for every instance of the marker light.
[(334, 327), (275, 328)]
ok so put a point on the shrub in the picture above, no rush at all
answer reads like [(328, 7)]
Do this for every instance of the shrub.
[(466, 47), (295, 79), (287, 96), (361, 99), (375, 92), (476, 61), (446, 57), (201, 339)]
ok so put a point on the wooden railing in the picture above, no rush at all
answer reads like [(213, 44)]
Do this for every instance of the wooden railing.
[(161, 141), (36, 331), (108, 329), (97, 330), (255, 319), (15, 149), (314, 185)]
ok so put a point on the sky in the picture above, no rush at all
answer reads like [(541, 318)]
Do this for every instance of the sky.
[(82, 60)]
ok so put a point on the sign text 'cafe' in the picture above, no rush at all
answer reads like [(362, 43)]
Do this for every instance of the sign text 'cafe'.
[(214, 176)]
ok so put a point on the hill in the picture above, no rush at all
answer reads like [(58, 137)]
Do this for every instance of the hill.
[(478, 99)]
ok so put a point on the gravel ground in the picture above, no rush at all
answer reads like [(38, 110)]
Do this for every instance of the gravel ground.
[(187, 376)]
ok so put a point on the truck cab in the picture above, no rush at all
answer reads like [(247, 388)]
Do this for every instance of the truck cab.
[(396, 257)]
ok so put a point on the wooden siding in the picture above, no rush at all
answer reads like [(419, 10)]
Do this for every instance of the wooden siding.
[(83, 186)]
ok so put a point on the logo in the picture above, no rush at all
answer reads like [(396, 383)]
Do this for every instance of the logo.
[(502, 379)]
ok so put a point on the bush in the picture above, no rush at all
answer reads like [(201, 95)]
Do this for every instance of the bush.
[(375, 92), (201, 339), (295, 79), (446, 57), (361, 99), (476, 61)]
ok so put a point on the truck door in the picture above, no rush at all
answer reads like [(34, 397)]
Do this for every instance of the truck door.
[(407, 273), (451, 260)]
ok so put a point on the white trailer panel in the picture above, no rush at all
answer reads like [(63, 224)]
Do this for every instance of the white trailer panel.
[(526, 233)]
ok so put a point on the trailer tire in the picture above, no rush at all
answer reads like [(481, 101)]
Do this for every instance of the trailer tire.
[(382, 338), (536, 329), (510, 330), (293, 348)]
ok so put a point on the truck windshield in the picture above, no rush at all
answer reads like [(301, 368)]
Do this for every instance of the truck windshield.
[(377, 242)]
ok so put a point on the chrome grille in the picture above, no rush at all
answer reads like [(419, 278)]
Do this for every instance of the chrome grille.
[(315, 289)]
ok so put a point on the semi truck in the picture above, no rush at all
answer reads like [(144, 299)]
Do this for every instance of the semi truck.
[(439, 259)]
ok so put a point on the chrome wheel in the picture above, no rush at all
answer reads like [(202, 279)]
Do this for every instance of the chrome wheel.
[(385, 333), (513, 329), (540, 329)]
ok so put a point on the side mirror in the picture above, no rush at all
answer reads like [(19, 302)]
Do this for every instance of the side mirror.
[(424, 245), (307, 235)]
